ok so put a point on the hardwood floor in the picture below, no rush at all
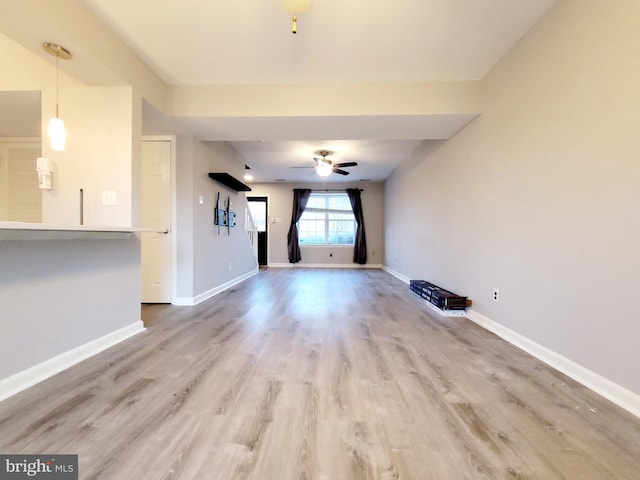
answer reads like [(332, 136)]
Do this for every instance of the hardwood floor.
[(320, 374)]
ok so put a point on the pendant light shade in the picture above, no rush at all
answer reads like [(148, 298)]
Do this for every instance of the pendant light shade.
[(57, 132)]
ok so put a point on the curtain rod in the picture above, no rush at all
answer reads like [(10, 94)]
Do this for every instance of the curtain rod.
[(326, 190)]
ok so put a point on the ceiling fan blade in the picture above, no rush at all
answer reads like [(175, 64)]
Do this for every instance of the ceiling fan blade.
[(340, 172), (346, 164)]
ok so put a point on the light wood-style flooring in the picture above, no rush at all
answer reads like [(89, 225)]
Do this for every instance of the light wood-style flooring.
[(320, 374)]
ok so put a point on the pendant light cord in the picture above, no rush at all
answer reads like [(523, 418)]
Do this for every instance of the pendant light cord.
[(57, 83)]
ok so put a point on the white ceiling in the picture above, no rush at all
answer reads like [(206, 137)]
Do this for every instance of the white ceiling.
[(249, 42), (270, 146), (275, 159)]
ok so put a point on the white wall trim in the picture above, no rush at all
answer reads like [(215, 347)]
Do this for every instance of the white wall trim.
[(325, 265), (27, 378), (192, 301), (443, 313), (398, 275), (599, 384)]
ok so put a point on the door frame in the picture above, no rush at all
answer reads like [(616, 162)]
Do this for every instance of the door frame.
[(172, 228), (267, 224)]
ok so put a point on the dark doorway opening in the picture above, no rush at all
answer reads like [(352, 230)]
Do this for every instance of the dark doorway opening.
[(258, 208)]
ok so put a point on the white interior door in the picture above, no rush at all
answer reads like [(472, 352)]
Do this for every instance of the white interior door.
[(156, 213)]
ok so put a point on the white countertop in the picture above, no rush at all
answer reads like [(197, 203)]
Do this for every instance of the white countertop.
[(47, 231)]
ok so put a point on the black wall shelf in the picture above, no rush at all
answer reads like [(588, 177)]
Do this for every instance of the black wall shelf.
[(231, 182)]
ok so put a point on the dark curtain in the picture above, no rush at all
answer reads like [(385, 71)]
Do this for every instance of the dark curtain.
[(300, 199), (360, 242)]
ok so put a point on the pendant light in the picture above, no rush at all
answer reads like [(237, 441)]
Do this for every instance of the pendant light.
[(57, 132)]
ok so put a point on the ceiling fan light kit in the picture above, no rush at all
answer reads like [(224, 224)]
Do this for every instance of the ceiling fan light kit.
[(325, 167)]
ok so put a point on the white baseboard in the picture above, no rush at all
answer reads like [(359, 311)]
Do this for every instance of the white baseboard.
[(325, 265), (191, 301), (622, 397), (444, 313), (398, 275), (27, 378), (183, 301)]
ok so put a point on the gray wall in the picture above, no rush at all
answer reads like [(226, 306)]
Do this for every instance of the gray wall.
[(185, 203), (540, 196), (59, 294), (280, 206), (207, 260)]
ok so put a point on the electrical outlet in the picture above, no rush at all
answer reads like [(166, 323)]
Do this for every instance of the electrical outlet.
[(496, 295)]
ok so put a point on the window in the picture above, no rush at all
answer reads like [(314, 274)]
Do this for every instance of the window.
[(327, 220)]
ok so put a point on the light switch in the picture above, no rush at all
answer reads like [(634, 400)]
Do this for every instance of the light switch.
[(200, 199), (109, 197)]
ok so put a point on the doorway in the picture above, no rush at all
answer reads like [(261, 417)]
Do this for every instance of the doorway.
[(258, 206)]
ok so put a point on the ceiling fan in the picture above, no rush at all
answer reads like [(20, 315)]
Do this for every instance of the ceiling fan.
[(324, 167)]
